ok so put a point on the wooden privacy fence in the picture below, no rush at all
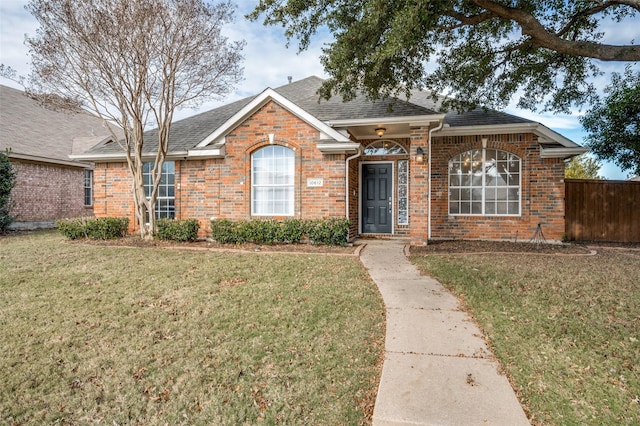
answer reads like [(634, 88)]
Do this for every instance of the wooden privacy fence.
[(600, 210)]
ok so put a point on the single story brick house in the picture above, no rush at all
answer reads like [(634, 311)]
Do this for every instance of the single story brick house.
[(393, 167), (38, 142)]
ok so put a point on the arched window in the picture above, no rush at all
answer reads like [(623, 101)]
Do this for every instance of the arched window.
[(485, 182), (272, 181), (385, 147)]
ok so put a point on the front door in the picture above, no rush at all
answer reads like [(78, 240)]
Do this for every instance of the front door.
[(377, 183)]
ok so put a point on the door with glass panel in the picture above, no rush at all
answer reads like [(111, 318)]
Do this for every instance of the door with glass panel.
[(377, 202)]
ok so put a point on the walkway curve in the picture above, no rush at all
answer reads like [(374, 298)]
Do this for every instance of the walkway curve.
[(437, 369)]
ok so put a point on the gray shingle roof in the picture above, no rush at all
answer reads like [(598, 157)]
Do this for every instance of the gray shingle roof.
[(29, 129), (476, 117), (187, 133)]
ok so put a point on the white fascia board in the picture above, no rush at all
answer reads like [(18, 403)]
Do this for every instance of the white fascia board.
[(206, 153), (259, 101), (561, 152), (535, 128), (545, 132), (338, 147), (414, 121)]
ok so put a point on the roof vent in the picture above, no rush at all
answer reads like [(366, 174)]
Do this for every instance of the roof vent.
[(290, 78)]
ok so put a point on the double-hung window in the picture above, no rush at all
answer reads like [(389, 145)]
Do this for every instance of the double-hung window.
[(485, 182), (165, 203), (88, 188), (272, 181)]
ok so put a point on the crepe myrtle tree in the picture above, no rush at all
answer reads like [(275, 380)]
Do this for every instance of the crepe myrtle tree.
[(486, 51), (133, 63)]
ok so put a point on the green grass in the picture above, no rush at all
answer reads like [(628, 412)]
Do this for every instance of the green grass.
[(566, 329), (114, 335)]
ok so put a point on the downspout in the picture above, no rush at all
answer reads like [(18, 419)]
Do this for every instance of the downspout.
[(346, 177), (435, 129)]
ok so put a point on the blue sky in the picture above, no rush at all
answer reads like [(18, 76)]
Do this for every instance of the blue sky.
[(268, 63)]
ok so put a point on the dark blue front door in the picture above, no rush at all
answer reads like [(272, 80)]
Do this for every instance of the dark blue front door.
[(376, 198)]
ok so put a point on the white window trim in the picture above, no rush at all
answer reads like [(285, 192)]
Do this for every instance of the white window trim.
[(90, 188), (292, 186), (484, 187), (159, 198)]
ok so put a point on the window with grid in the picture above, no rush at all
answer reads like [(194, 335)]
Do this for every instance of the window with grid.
[(272, 181), (88, 188), (165, 203), (485, 182)]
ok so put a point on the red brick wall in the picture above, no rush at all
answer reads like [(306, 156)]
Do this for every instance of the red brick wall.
[(221, 188), (542, 192), (46, 192), (112, 192)]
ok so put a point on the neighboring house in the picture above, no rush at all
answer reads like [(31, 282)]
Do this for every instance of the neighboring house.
[(394, 168), (38, 141)]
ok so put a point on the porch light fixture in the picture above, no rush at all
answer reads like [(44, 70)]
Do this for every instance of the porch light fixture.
[(380, 131), (419, 155)]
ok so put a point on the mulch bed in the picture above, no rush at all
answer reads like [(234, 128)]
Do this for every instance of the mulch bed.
[(135, 241)]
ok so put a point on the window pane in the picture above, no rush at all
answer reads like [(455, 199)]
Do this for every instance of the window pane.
[(490, 194), (514, 208), (484, 183), (165, 204), (501, 194), (272, 173)]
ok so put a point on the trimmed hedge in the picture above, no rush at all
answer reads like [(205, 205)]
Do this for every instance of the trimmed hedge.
[(177, 230), (331, 231), (102, 228)]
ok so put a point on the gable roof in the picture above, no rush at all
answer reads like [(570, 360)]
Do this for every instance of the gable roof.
[(32, 132), (204, 134)]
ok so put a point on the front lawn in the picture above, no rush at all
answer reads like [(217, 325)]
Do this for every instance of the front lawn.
[(565, 328), (116, 335)]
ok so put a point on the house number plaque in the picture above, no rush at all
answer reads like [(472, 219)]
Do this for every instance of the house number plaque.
[(314, 183)]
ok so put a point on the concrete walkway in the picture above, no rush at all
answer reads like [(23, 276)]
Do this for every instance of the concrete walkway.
[(437, 368)]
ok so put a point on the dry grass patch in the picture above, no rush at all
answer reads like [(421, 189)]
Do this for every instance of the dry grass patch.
[(114, 335), (566, 329)]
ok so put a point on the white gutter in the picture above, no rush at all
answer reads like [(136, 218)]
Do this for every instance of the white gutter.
[(435, 129), (346, 177)]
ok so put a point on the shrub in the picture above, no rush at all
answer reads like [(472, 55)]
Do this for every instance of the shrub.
[(332, 231), (7, 182), (177, 230), (224, 231), (72, 228), (324, 231), (291, 231), (102, 228)]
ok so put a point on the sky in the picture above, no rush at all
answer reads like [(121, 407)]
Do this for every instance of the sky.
[(268, 63)]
